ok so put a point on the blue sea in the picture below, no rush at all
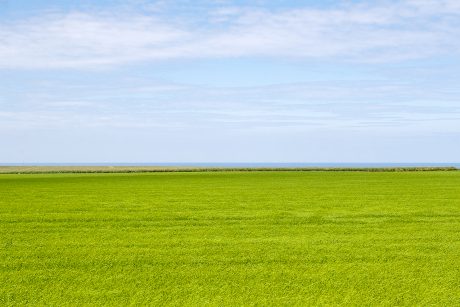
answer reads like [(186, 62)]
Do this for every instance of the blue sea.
[(244, 164)]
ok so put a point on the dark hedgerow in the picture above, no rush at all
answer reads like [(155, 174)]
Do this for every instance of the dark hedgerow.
[(155, 169)]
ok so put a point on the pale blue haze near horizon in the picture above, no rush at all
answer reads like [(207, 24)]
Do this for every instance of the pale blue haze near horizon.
[(229, 81)]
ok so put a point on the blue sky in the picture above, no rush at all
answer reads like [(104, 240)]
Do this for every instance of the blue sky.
[(229, 81)]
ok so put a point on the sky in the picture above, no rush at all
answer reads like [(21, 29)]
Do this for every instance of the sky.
[(229, 81)]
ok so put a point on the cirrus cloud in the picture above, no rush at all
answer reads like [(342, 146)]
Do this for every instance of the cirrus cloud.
[(389, 31)]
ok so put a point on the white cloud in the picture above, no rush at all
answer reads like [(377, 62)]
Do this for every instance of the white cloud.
[(378, 32), (368, 105)]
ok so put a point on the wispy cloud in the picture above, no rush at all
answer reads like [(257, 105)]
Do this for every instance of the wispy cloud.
[(376, 31), (368, 105)]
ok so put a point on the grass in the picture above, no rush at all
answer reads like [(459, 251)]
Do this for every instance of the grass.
[(231, 238)]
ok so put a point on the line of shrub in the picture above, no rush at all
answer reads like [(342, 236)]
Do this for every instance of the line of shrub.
[(57, 170)]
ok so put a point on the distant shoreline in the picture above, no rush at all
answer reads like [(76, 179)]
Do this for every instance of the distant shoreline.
[(240, 164), (81, 169)]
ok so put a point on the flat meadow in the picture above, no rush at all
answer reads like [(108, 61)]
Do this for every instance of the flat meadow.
[(230, 238)]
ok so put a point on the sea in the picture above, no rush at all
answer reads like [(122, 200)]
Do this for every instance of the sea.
[(246, 164)]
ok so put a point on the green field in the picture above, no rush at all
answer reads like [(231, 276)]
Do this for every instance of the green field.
[(231, 238)]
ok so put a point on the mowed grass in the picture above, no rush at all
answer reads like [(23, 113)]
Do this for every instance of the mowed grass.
[(231, 238)]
